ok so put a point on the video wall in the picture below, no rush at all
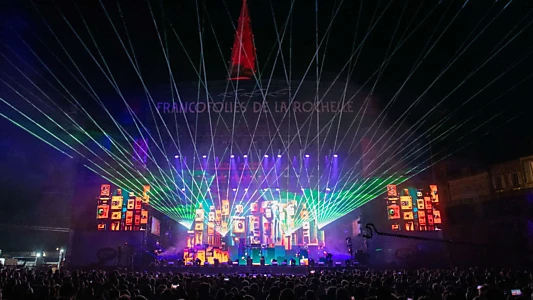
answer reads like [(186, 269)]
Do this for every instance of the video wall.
[(264, 222), (413, 209), (115, 214)]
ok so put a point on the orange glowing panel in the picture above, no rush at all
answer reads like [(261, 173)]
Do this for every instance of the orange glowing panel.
[(409, 226), (115, 226), (116, 215), (101, 226), (144, 216), (391, 190), (211, 216), (436, 217), (395, 227), (422, 217), (434, 193), (138, 203), (198, 226), (427, 201), (239, 208), (105, 190), (408, 215), (129, 218), (393, 212), (430, 218), (102, 212), (119, 192), (420, 203), (211, 228), (131, 204), (406, 202), (146, 197), (137, 219), (225, 207), (116, 202), (218, 216)]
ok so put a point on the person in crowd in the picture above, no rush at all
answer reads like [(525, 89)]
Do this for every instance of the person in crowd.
[(438, 284)]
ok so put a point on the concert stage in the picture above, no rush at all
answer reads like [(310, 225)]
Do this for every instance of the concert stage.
[(241, 270)]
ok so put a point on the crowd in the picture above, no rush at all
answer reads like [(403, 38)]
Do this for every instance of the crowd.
[(424, 284)]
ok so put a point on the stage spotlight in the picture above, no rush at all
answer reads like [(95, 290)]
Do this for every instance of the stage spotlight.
[(335, 155), (232, 156), (176, 156), (234, 190), (245, 156), (266, 155), (265, 190), (277, 190), (246, 189), (279, 155), (204, 156), (328, 189), (307, 155), (183, 189)]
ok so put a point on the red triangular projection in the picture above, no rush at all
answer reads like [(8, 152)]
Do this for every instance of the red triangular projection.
[(242, 64)]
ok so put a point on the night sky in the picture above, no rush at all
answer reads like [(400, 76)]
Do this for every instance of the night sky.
[(45, 35)]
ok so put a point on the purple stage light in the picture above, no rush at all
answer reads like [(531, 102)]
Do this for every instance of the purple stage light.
[(307, 155), (245, 156), (204, 156), (335, 155), (176, 156), (232, 156), (279, 155), (266, 155), (246, 190), (234, 190)]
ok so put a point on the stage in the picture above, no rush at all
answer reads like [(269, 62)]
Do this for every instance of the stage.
[(239, 270)]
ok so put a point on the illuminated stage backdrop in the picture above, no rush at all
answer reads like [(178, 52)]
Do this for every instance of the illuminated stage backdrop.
[(270, 200), (413, 209), (115, 214)]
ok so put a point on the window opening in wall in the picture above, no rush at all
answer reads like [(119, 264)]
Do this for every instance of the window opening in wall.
[(514, 180), (498, 183)]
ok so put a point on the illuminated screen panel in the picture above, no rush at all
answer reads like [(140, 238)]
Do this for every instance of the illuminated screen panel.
[(122, 211), (156, 227), (413, 209), (251, 208)]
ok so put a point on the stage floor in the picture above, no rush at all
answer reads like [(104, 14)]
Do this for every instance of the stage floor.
[(240, 270)]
